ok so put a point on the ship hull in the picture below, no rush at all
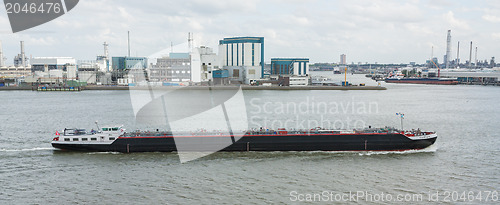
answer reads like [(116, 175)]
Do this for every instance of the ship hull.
[(423, 81), (306, 142)]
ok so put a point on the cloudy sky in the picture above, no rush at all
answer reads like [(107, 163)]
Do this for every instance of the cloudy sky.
[(383, 31)]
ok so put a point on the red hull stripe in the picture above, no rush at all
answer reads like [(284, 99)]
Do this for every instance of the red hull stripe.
[(426, 82), (272, 135)]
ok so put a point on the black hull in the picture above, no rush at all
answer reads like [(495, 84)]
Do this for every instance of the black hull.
[(318, 142)]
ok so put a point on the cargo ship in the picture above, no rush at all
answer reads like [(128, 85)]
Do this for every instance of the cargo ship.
[(116, 139), (400, 78), (438, 81)]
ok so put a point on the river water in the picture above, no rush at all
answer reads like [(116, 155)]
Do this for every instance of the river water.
[(463, 160)]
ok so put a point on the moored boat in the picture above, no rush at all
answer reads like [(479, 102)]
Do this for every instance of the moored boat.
[(418, 80)]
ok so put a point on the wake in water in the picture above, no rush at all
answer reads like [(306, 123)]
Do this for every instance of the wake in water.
[(430, 149), (27, 149), (104, 153)]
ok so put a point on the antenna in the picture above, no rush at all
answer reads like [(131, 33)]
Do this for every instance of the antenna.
[(97, 124)]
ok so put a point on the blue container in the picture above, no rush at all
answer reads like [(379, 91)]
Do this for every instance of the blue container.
[(220, 73), (170, 84)]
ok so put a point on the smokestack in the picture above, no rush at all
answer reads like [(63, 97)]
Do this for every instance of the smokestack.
[(23, 55), (458, 54), (448, 49), (470, 55), (106, 53), (475, 64), (1, 55), (128, 37), (190, 41)]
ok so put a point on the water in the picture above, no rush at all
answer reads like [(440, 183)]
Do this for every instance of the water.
[(464, 158)]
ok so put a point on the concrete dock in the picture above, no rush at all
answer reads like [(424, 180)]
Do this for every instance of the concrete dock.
[(244, 87)]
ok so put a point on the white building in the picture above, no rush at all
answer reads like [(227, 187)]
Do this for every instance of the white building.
[(203, 62), (51, 63), (243, 57)]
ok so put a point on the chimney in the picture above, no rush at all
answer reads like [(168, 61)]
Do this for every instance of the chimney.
[(448, 49), (23, 55), (470, 55)]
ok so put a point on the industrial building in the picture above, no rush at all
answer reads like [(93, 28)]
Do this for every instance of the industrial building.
[(14, 72), (294, 70), (51, 63), (203, 62), (174, 68), (21, 70), (290, 66), (195, 67), (220, 77), (127, 63), (21, 60), (243, 57)]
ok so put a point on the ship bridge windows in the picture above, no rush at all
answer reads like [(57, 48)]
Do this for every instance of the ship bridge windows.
[(69, 132), (75, 132), (108, 129), (81, 132)]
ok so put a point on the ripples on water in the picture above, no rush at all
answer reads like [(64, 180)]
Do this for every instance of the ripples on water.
[(465, 157)]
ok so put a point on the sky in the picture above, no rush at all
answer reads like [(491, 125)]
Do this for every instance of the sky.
[(372, 31)]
